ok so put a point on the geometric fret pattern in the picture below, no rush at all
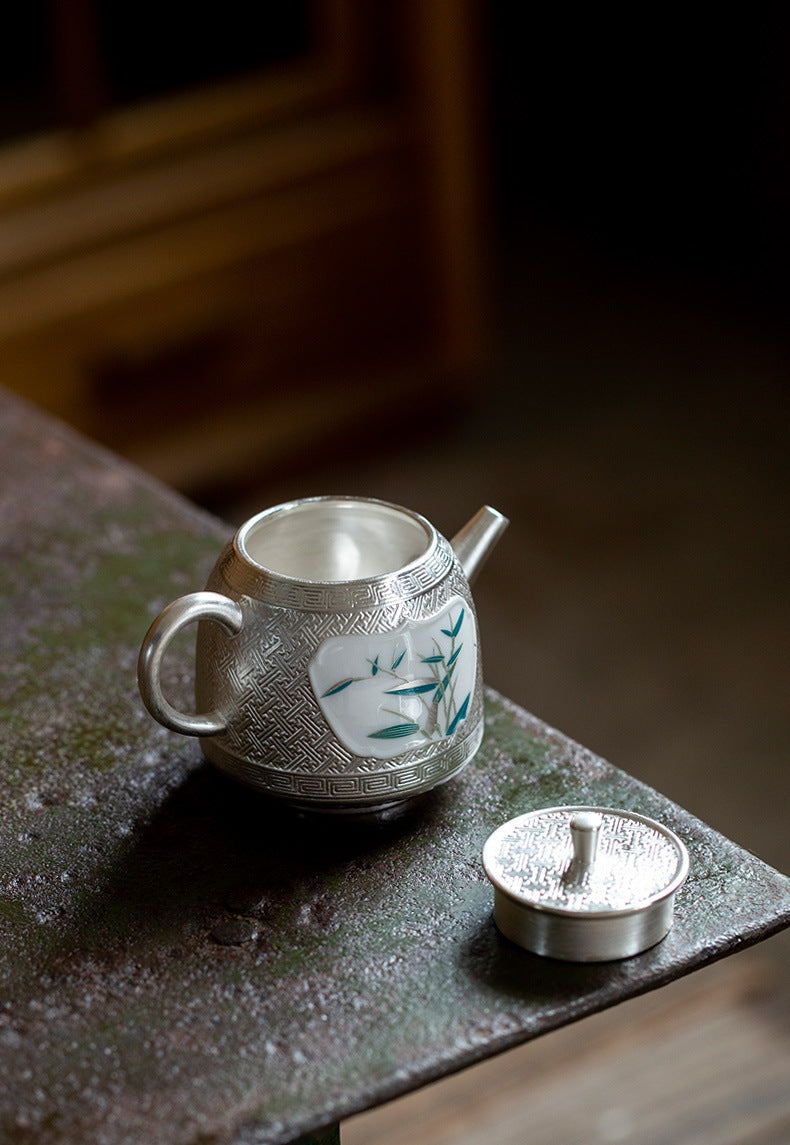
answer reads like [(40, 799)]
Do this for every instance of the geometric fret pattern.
[(360, 791), (283, 592)]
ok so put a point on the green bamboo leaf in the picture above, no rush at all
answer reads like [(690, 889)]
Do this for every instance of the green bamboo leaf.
[(413, 689), (433, 659), (454, 656), (458, 623), (397, 662), (460, 715), (440, 690), (339, 687), (375, 667), (396, 731)]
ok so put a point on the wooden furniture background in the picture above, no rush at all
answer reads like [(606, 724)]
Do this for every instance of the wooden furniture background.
[(224, 274)]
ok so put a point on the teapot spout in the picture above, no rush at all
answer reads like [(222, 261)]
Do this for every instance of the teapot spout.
[(474, 542)]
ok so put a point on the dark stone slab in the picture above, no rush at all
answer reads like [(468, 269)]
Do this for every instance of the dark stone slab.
[(181, 961)]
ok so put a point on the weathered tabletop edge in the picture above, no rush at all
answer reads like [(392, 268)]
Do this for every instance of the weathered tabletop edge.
[(701, 961), (378, 1096)]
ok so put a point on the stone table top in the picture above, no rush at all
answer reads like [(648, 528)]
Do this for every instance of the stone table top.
[(180, 961)]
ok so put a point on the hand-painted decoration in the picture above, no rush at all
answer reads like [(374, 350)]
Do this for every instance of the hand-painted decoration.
[(385, 694)]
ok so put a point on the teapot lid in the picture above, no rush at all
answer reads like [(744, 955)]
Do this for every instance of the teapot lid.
[(584, 883)]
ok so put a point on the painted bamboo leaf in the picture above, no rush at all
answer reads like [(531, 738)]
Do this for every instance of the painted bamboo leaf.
[(454, 656), (415, 688), (339, 687), (453, 632), (441, 688), (396, 731), (397, 662), (375, 667), (459, 715), (433, 659)]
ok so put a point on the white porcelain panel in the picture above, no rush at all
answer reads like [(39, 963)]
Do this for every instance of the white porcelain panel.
[(387, 693)]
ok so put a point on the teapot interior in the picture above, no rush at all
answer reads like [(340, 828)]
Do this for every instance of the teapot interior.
[(335, 539)]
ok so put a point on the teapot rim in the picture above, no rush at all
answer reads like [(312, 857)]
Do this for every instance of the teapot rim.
[(414, 576)]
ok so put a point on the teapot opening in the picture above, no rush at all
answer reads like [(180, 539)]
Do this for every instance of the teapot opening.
[(335, 539)]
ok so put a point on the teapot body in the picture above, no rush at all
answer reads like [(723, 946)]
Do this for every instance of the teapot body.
[(350, 678)]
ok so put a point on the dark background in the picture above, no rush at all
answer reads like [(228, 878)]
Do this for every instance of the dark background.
[(655, 140)]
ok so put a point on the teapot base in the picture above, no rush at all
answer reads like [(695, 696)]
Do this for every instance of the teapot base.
[(350, 794)]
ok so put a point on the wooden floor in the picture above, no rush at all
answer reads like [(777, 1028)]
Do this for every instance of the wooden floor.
[(639, 602)]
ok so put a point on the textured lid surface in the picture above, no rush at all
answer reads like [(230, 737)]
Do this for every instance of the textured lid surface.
[(585, 861)]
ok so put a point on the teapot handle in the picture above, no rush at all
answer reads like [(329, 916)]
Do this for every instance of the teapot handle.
[(185, 610)]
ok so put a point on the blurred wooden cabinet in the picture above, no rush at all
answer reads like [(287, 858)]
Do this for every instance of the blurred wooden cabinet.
[(282, 240)]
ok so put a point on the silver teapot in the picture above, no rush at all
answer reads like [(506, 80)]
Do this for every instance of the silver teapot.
[(338, 661)]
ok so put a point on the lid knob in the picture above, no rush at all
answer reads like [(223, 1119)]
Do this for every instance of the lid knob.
[(585, 832)]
